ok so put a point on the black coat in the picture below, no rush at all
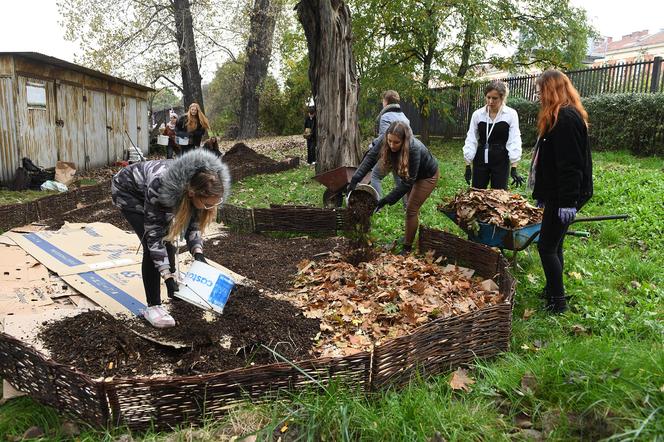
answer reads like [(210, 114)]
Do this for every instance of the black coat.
[(194, 137), (563, 173)]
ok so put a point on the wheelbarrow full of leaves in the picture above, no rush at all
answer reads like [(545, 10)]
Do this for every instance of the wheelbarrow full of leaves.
[(515, 238), (335, 181)]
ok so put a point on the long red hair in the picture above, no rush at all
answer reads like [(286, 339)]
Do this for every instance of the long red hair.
[(556, 91)]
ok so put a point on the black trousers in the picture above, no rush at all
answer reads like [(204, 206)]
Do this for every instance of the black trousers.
[(311, 150), (185, 149), (550, 248), (150, 274), (496, 171)]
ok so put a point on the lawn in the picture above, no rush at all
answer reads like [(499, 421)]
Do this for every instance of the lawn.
[(596, 372)]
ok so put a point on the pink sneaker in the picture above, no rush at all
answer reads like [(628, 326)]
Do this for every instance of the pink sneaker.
[(158, 317)]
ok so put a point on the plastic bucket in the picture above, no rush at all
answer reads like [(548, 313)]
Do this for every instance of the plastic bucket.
[(182, 141), (205, 287), (162, 140), (368, 188)]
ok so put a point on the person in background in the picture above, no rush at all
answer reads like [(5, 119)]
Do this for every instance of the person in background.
[(390, 113), (560, 175), (169, 131), (161, 199), (192, 126), (310, 134), (493, 142), (212, 144), (418, 171)]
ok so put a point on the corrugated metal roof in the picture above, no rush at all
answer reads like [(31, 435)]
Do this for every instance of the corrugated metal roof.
[(75, 67)]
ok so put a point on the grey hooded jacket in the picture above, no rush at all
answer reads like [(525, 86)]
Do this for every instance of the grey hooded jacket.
[(155, 188)]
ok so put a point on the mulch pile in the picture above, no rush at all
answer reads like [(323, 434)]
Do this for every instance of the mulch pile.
[(493, 206), (385, 298), (270, 261), (100, 345), (243, 161), (104, 211)]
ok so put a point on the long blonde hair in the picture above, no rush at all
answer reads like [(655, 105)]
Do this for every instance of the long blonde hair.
[(556, 91), (193, 120), (203, 184), (401, 130)]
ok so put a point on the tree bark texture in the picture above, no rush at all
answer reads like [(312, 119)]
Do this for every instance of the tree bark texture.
[(191, 76), (334, 83), (259, 51)]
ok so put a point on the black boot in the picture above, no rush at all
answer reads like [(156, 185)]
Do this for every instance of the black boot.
[(545, 295), (557, 305), (406, 250)]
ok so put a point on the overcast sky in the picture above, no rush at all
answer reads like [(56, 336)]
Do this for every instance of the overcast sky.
[(32, 25)]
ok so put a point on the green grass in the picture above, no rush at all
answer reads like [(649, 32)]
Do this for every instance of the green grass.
[(595, 373), (15, 197)]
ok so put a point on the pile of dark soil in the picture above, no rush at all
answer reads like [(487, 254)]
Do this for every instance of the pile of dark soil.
[(361, 205), (270, 261), (243, 161), (104, 212), (100, 345)]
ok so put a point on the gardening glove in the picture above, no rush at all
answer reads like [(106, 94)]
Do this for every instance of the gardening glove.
[(539, 204), (171, 286), (469, 174), (198, 256), (567, 214), (351, 186), (517, 180), (381, 203)]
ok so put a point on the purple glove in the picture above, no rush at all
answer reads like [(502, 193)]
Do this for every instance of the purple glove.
[(566, 214)]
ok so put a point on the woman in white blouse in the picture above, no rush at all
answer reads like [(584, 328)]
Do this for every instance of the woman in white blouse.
[(493, 142)]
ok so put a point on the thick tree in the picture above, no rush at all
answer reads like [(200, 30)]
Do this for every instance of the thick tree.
[(259, 50), (334, 82)]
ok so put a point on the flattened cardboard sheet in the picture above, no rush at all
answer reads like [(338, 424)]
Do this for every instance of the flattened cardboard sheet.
[(78, 248)]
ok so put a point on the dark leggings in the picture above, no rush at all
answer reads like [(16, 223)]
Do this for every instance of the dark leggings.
[(550, 248), (151, 276)]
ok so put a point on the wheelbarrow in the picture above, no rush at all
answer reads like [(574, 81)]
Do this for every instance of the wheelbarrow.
[(335, 181), (518, 239)]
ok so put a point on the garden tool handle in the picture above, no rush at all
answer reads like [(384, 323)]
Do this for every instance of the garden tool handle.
[(578, 233), (599, 218)]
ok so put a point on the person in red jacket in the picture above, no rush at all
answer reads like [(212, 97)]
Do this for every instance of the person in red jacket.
[(560, 175)]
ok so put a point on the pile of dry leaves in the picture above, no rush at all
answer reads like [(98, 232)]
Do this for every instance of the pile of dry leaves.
[(383, 299), (493, 206)]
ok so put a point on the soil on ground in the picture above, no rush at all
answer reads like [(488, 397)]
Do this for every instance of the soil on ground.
[(270, 261), (243, 161), (104, 212), (100, 345)]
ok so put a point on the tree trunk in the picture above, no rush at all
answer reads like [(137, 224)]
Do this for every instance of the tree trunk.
[(259, 50), (191, 76), (465, 51), (425, 108), (334, 83)]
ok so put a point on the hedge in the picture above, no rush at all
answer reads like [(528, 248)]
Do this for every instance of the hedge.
[(617, 121)]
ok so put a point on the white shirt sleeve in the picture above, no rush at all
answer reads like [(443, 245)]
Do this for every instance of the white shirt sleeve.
[(514, 138), (470, 146)]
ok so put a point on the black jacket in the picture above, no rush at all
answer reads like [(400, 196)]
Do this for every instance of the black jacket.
[(421, 165), (563, 173), (194, 137)]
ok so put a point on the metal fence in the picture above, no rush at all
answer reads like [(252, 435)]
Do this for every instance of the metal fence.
[(638, 77)]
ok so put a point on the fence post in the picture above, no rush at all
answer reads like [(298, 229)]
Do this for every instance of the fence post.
[(656, 73)]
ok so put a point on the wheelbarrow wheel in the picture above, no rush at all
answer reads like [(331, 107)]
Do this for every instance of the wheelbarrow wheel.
[(332, 200)]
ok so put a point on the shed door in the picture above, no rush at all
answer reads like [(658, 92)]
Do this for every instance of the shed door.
[(70, 127), (9, 159), (35, 105), (143, 131), (116, 127), (96, 143), (130, 120)]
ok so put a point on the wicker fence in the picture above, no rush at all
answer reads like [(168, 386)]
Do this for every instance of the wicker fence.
[(431, 349), (15, 215)]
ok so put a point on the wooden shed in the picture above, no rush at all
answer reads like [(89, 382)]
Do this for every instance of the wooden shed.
[(52, 110)]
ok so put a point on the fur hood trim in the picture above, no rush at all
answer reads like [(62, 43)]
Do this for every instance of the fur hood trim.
[(175, 179)]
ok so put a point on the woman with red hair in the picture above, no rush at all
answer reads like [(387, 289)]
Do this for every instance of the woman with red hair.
[(560, 174)]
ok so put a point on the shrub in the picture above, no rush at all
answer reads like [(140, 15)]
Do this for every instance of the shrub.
[(617, 121)]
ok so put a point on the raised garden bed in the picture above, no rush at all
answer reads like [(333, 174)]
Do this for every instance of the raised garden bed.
[(138, 402)]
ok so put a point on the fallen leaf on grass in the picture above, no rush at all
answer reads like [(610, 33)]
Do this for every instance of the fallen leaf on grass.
[(532, 278), (522, 420), (579, 330), (460, 380), (528, 383), (575, 275), (528, 313)]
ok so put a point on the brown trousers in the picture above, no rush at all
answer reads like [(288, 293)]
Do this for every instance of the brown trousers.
[(416, 197)]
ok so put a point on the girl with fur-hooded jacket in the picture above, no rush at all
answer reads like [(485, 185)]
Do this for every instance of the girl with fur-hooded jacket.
[(161, 199)]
